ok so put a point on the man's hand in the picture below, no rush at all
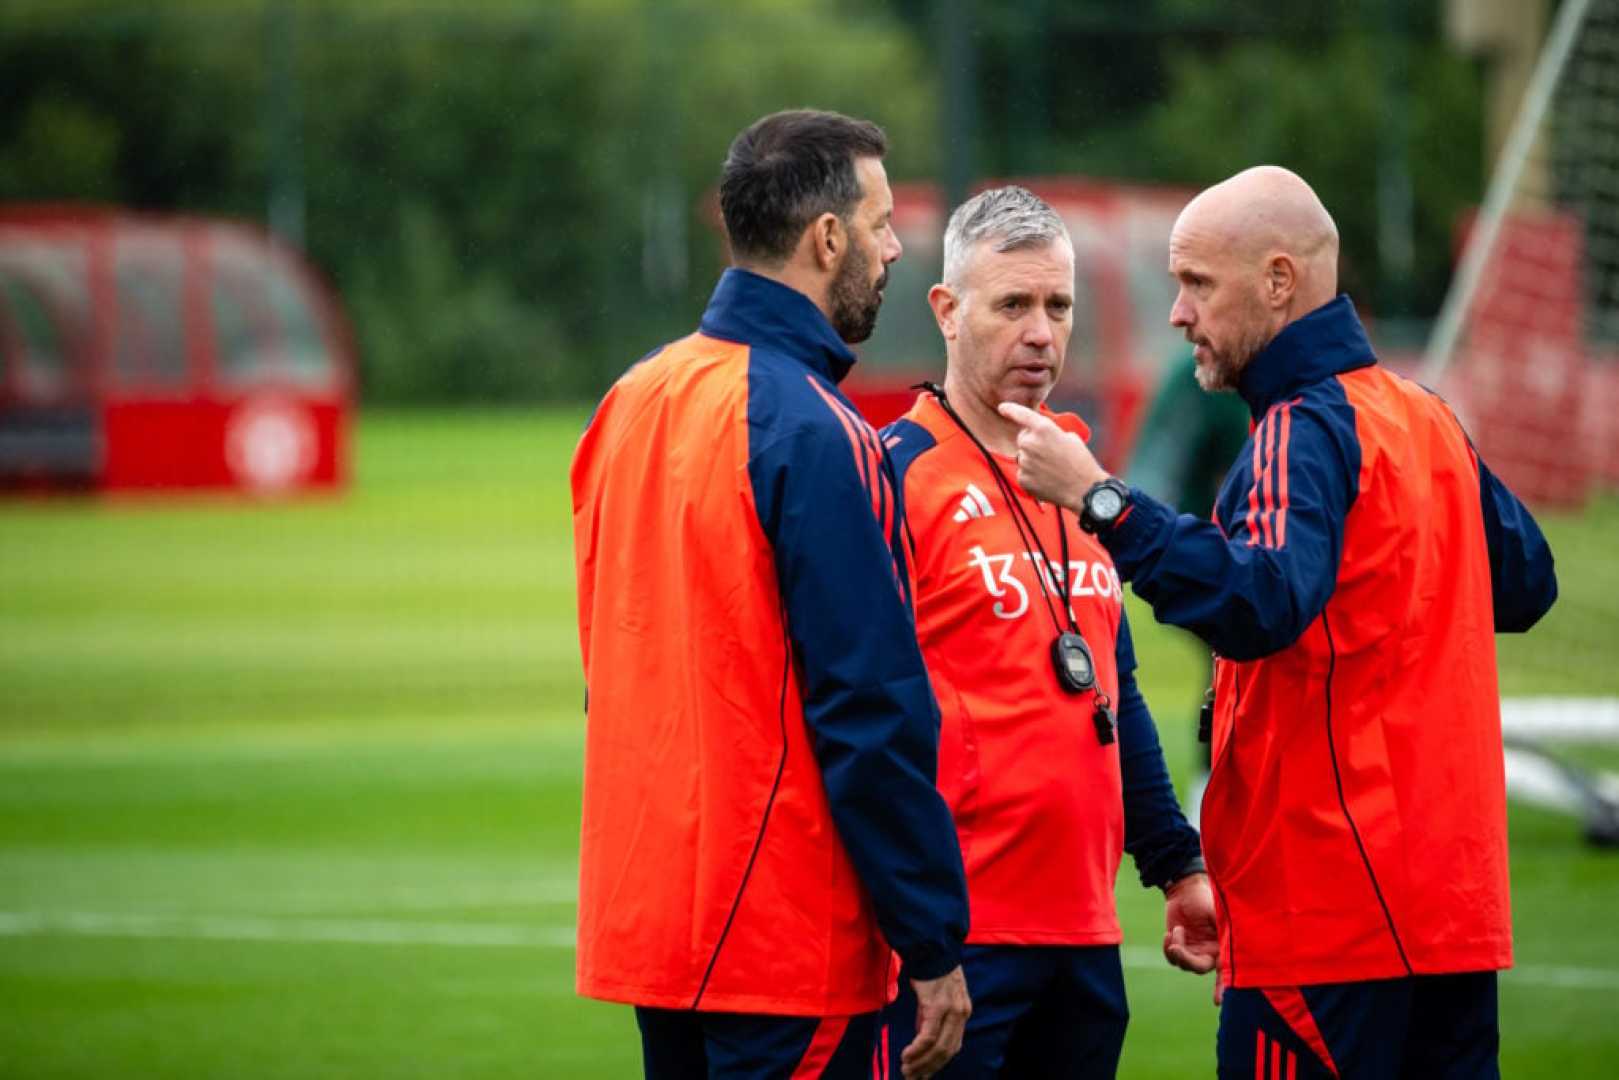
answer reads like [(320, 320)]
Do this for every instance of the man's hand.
[(1052, 464), (1191, 939), (942, 1008)]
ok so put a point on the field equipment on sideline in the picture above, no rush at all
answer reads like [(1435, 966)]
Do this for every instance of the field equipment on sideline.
[(141, 352), (1526, 349)]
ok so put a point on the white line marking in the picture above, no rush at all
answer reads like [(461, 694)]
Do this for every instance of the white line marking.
[(505, 936), (1563, 977), (1584, 719), (1140, 957), (428, 898)]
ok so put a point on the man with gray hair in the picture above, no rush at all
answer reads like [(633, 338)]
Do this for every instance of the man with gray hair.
[(1051, 768)]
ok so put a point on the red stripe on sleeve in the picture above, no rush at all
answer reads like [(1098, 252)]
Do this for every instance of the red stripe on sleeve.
[(885, 491), (1253, 492), (868, 464), (1281, 503), (868, 440), (1268, 495), (865, 461), (883, 497)]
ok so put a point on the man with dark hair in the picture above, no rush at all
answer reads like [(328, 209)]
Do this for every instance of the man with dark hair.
[(760, 818), (1052, 772), (1360, 560), (790, 169)]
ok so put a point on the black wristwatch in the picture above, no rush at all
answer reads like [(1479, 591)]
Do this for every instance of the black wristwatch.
[(1103, 504)]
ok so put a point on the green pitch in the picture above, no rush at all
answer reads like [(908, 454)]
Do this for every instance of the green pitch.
[(291, 790)]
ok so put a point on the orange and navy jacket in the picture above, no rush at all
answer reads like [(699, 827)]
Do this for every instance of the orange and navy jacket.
[(1360, 561), (759, 794), (1043, 808)]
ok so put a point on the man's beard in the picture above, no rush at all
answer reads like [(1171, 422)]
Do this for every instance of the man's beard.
[(1224, 372), (854, 299), (1219, 373)]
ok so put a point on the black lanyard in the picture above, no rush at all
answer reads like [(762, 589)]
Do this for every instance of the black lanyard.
[(1070, 655)]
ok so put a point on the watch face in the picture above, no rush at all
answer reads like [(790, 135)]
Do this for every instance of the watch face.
[(1106, 504)]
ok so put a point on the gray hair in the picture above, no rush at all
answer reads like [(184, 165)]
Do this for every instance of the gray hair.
[(1011, 218)]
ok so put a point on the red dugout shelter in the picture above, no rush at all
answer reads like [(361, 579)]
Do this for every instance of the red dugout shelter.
[(142, 352)]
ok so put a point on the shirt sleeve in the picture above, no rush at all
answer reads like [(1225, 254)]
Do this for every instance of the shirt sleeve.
[(823, 495), (1254, 588), (1523, 581), (1156, 833)]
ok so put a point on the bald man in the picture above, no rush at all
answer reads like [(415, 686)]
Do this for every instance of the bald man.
[(1360, 559)]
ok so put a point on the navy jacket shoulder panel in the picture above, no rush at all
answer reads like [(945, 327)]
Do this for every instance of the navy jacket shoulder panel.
[(1314, 429), (906, 440), (755, 310), (787, 398), (824, 490), (1251, 582), (1328, 341)]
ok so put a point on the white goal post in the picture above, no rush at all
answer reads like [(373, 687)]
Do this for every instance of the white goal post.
[(1526, 346)]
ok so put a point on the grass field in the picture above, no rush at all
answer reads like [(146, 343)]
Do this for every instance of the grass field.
[(291, 790)]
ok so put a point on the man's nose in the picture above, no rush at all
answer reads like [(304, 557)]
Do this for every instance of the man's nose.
[(1037, 331), (892, 250), (1181, 313)]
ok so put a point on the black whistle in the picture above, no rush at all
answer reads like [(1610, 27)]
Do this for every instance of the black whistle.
[(1205, 718), (1103, 719)]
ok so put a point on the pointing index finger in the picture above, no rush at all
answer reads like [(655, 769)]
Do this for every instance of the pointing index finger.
[(1021, 415)]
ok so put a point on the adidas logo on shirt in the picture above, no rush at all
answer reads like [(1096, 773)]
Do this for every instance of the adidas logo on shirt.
[(974, 505)]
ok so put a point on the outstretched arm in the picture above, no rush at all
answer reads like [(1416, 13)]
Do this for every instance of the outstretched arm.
[(1251, 589)]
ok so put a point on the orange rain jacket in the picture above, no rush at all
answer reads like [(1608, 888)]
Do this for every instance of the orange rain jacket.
[(759, 763), (1360, 562)]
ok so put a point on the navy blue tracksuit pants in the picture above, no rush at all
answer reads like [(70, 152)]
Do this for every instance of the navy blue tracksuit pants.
[(1042, 1012)]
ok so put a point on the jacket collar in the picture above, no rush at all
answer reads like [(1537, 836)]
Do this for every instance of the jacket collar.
[(1327, 341), (929, 411), (755, 310)]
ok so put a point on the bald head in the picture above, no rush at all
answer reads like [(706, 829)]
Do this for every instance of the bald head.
[(1268, 209), (1252, 254)]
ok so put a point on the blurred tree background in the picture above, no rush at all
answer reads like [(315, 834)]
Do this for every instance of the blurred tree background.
[(514, 200)]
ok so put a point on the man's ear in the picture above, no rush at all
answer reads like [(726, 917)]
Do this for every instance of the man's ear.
[(1281, 279), (946, 306), (827, 241)]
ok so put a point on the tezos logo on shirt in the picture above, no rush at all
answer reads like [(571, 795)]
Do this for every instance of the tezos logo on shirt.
[(1080, 578)]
